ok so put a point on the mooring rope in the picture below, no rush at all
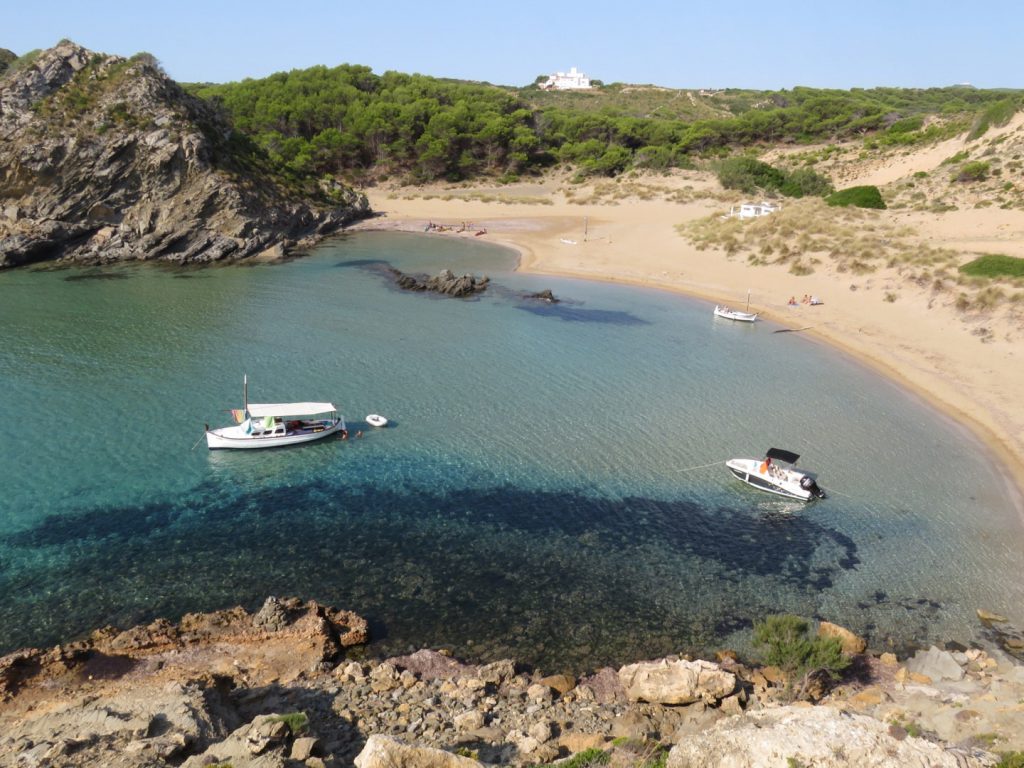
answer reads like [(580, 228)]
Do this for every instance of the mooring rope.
[(702, 466)]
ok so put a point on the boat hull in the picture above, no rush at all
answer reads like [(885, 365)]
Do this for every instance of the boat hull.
[(235, 437), (749, 472), (732, 314)]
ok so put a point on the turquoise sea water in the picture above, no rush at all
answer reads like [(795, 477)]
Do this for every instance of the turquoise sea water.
[(535, 495)]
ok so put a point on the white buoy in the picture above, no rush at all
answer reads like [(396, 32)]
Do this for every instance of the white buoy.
[(376, 420)]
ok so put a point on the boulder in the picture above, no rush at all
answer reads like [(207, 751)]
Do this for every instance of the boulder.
[(561, 683), (386, 752), (935, 664), (818, 736), (676, 682), (852, 644)]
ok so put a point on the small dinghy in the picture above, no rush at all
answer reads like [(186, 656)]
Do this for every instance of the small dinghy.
[(376, 420)]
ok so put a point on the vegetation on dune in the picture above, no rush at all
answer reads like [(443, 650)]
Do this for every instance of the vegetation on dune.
[(862, 197), (994, 265), (347, 121), (995, 114), (751, 176)]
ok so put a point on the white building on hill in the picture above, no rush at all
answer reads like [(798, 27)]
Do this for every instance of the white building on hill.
[(566, 81)]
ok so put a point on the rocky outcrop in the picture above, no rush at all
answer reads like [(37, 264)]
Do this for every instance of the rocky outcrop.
[(444, 283), (105, 159), (676, 682), (385, 752), (814, 736), (300, 636), (276, 688)]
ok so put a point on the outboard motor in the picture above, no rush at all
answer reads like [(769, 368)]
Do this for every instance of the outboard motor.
[(808, 484)]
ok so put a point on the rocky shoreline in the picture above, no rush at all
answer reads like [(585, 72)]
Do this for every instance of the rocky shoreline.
[(292, 685), (105, 159)]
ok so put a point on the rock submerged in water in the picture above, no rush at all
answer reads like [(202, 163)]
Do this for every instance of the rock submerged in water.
[(445, 283), (545, 295)]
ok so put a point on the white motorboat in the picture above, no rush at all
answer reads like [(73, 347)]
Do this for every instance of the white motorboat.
[(376, 420), (777, 473), (735, 314), (269, 425)]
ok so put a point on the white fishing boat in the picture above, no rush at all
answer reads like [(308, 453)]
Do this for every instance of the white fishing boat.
[(735, 314), (777, 473), (376, 420), (269, 425)]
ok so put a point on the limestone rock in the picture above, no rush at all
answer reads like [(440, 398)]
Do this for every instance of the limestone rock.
[(469, 720), (817, 736), (935, 664), (852, 644), (561, 683), (676, 682), (386, 752), (575, 741), (445, 283), (303, 748)]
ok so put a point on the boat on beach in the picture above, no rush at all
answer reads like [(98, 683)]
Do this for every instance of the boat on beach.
[(734, 314), (777, 473), (270, 425), (721, 310)]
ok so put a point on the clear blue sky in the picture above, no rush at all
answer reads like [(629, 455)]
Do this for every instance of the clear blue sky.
[(680, 44)]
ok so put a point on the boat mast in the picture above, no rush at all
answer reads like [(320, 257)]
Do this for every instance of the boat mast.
[(748, 300), (245, 392)]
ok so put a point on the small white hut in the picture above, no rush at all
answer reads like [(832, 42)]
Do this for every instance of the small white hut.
[(753, 210)]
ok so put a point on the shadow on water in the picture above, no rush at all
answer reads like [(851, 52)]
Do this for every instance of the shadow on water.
[(561, 580), (96, 276), (571, 314)]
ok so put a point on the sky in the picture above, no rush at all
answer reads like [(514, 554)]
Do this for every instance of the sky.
[(712, 44)]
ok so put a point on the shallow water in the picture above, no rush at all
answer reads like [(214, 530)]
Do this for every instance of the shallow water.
[(540, 493)]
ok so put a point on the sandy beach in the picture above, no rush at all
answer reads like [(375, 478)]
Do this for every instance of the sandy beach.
[(967, 364)]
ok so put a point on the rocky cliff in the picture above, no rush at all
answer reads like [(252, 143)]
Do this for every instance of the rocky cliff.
[(106, 159)]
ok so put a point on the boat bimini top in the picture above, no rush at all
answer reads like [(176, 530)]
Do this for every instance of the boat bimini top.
[(261, 410), (782, 455)]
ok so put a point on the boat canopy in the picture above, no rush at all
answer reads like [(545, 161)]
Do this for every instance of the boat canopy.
[(261, 410), (773, 453)]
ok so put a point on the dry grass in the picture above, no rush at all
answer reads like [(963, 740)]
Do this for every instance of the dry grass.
[(807, 235)]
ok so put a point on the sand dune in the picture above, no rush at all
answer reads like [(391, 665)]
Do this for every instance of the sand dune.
[(971, 366)]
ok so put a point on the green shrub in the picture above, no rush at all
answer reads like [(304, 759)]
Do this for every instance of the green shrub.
[(790, 646), (907, 125), (997, 113), (976, 170), (297, 722), (994, 265), (861, 197), (586, 759), (749, 175), (1010, 760), (805, 181)]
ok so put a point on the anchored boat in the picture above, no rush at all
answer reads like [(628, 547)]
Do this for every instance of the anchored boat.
[(268, 425), (777, 473)]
